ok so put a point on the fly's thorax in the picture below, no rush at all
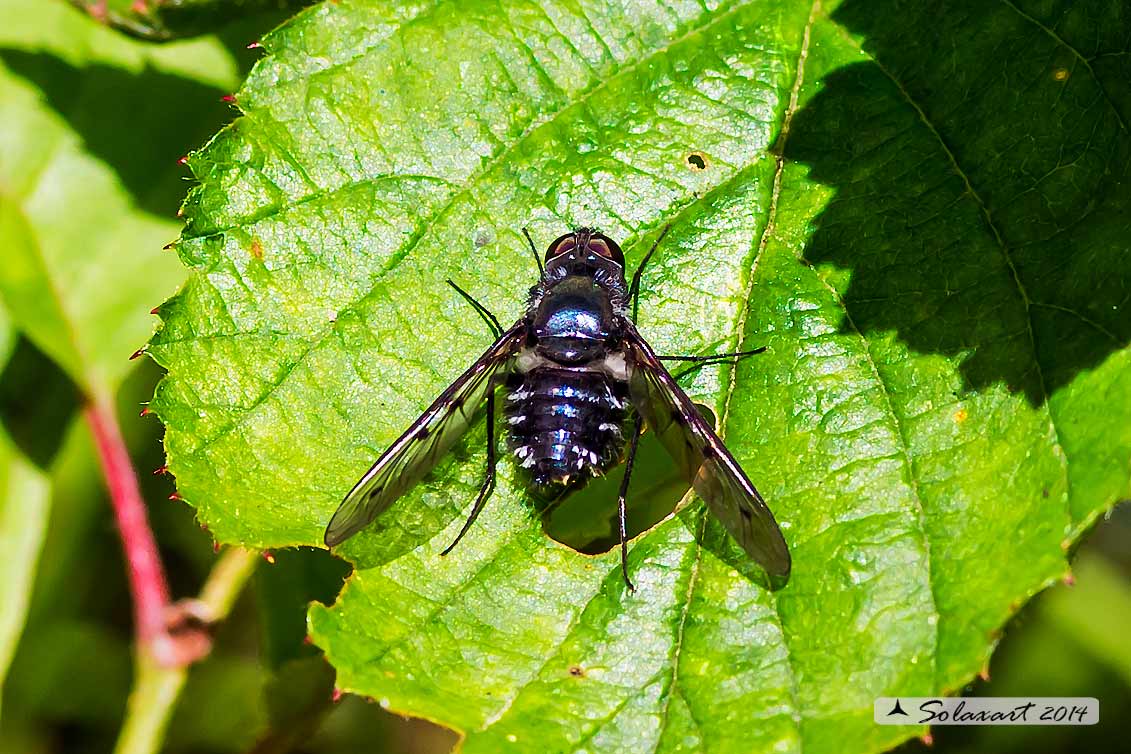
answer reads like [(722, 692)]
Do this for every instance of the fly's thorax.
[(564, 426), (574, 321)]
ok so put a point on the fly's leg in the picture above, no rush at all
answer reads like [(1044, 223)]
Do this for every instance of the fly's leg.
[(621, 508), (698, 362), (484, 312), (489, 482), (634, 289)]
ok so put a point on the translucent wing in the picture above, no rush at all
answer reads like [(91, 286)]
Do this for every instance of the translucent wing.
[(703, 459), (415, 452)]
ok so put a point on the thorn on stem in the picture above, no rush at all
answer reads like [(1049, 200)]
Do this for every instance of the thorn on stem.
[(137, 353), (1069, 579), (254, 46), (336, 696), (145, 411), (183, 160), (161, 471), (268, 556), (176, 496), (229, 98)]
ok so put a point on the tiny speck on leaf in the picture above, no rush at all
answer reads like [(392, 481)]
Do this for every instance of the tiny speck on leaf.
[(697, 161), (577, 671)]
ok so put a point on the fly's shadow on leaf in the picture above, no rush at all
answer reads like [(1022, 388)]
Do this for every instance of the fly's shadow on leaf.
[(988, 230), (586, 520)]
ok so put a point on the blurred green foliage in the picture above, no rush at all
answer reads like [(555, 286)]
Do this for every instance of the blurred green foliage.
[(92, 126)]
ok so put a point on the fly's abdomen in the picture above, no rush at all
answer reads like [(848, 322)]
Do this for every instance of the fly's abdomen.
[(565, 426)]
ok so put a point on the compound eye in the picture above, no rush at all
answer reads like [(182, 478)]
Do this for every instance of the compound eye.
[(607, 248), (564, 244)]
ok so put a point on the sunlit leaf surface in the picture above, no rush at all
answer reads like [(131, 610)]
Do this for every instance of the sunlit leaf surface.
[(938, 263)]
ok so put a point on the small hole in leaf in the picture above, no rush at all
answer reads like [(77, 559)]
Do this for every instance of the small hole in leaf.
[(697, 161)]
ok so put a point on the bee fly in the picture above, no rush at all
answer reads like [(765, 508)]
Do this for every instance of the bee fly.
[(580, 385)]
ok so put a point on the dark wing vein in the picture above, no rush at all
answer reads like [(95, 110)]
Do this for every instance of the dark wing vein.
[(418, 450)]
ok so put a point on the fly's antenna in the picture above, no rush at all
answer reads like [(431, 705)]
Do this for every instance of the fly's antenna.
[(634, 290), (534, 251)]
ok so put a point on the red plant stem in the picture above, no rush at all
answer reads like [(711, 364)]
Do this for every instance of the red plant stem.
[(148, 587)]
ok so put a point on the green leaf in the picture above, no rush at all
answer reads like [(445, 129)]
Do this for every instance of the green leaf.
[(162, 20), (937, 263), (92, 124), (24, 506)]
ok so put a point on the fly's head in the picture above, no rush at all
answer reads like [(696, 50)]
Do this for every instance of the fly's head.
[(585, 253), (574, 312)]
